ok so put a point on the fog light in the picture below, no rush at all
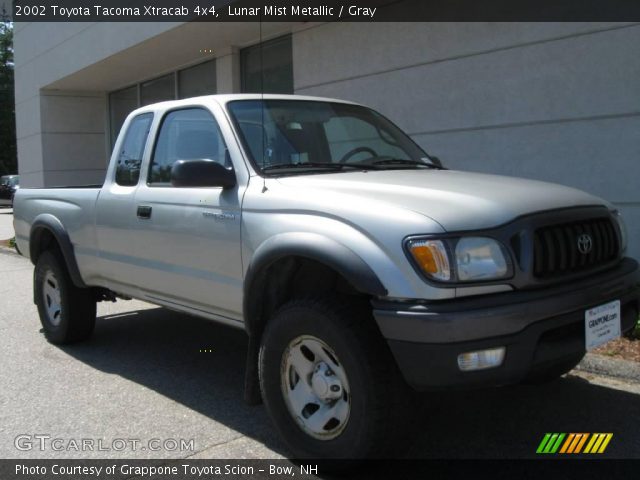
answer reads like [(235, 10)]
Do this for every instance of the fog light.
[(481, 359)]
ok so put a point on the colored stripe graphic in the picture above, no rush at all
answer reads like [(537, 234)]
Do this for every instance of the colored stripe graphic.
[(598, 442), (573, 443), (555, 447), (596, 445), (567, 443), (544, 441), (591, 442), (550, 443), (604, 445), (581, 442)]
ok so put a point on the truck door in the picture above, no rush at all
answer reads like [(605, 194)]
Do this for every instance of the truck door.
[(188, 239), (115, 209)]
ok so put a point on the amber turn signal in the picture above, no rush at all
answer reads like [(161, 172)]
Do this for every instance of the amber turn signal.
[(431, 257)]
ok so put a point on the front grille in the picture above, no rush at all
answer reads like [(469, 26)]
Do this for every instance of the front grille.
[(557, 248)]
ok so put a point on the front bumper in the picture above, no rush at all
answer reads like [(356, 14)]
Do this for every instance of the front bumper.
[(542, 329)]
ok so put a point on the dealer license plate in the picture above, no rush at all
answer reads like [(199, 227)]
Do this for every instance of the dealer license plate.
[(601, 324)]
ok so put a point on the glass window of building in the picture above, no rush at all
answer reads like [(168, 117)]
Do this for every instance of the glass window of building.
[(191, 82), (271, 70), (197, 80), (158, 90)]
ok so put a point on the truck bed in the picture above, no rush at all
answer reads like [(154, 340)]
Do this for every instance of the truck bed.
[(73, 206)]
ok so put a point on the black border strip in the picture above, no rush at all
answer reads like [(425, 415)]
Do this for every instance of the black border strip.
[(327, 11), (542, 466)]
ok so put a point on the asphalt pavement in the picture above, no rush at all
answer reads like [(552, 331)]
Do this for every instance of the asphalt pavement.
[(153, 378)]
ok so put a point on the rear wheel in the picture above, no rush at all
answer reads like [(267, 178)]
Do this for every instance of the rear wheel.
[(329, 381), (67, 313)]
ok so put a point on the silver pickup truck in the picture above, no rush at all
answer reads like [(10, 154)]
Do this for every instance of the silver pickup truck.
[(360, 268)]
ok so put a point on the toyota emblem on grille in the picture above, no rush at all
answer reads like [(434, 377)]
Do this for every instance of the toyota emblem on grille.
[(585, 243)]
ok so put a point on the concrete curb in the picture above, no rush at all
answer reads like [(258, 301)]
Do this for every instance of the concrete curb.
[(611, 367)]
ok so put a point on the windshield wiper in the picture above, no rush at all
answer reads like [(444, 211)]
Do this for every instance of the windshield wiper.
[(314, 166), (376, 165), (399, 161)]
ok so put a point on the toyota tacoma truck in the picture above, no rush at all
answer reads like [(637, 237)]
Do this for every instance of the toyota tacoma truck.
[(361, 269)]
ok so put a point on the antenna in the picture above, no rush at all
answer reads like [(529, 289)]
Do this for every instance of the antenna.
[(264, 140)]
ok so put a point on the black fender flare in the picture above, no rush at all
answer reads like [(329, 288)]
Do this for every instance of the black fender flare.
[(311, 246), (48, 223)]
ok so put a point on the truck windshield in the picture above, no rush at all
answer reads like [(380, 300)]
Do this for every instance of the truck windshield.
[(287, 137)]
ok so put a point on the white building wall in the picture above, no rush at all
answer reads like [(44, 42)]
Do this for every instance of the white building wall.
[(74, 137), (551, 101)]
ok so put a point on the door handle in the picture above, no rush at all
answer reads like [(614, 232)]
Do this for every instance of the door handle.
[(144, 211)]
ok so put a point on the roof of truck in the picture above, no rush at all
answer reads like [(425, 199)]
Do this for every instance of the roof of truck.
[(225, 98)]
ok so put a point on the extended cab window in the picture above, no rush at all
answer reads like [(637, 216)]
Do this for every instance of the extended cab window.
[(132, 149), (187, 134)]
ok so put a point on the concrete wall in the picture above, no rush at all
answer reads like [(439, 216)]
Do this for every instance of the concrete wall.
[(74, 137), (61, 139), (552, 101)]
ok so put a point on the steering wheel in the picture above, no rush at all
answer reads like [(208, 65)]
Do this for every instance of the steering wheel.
[(357, 150)]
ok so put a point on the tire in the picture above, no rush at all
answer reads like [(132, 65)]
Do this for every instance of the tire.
[(350, 356), (67, 313)]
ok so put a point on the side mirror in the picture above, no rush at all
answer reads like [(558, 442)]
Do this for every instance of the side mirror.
[(201, 173)]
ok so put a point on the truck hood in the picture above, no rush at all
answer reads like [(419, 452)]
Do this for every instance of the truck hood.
[(456, 200)]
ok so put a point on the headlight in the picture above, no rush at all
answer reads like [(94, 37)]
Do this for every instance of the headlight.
[(464, 259), (623, 230), (480, 258)]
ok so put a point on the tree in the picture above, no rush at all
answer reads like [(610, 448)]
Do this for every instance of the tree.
[(8, 150)]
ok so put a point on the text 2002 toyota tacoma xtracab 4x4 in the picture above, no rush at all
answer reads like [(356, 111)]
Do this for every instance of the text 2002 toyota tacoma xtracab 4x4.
[(356, 263)]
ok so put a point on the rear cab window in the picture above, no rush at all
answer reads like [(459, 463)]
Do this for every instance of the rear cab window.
[(132, 149)]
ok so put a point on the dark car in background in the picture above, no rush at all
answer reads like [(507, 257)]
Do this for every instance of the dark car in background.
[(8, 186)]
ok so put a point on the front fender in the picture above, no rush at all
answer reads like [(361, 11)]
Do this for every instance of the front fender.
[(314, 247)]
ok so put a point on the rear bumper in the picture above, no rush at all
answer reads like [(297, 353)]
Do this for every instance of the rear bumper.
[(542, 330)]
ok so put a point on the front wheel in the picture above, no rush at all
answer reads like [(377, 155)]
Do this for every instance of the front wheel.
[(67, 313), (329, 381)]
